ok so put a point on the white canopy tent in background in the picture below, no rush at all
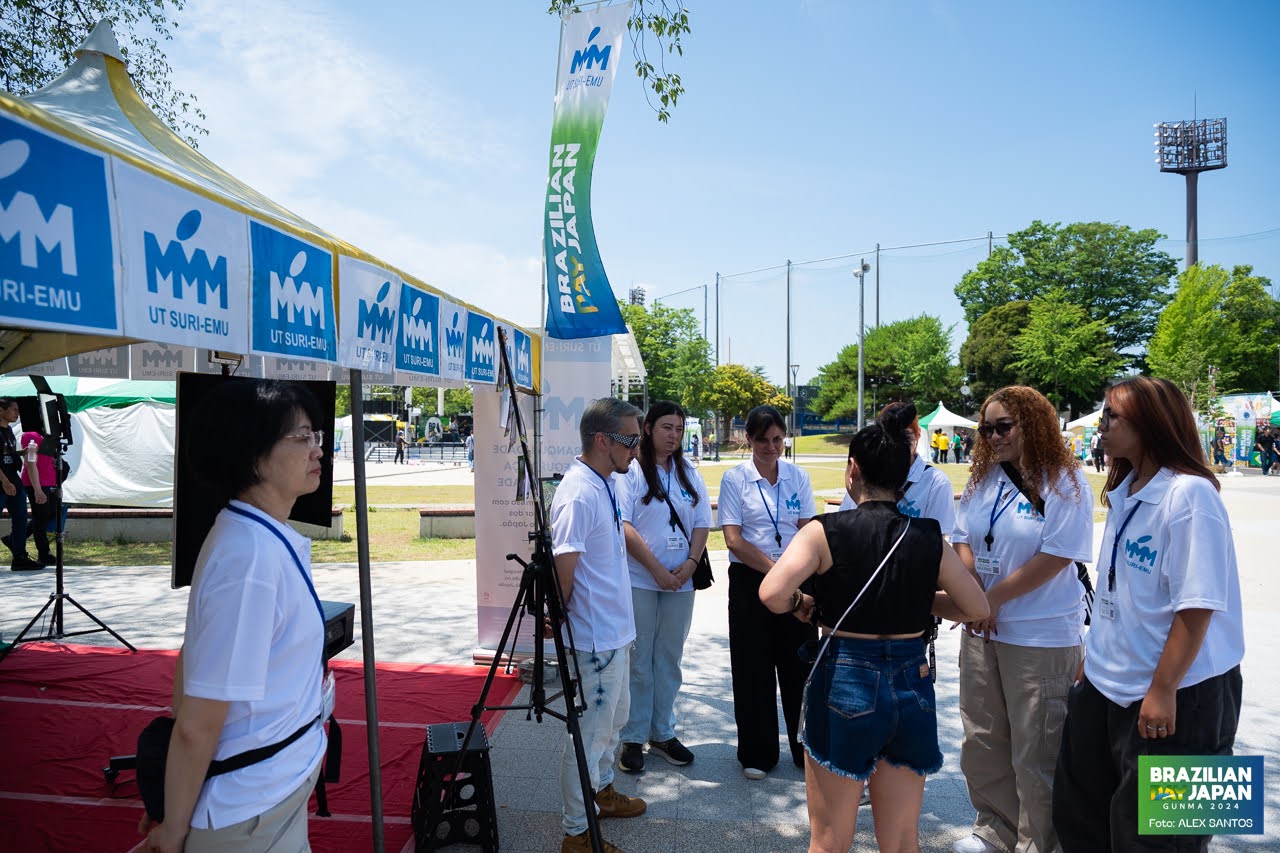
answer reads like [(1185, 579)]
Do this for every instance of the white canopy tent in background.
[(116, 231), (1089, 420)]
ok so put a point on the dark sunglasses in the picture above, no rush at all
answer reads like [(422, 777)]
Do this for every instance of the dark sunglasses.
[(1001, 429), (1107, 416), (627, 441)]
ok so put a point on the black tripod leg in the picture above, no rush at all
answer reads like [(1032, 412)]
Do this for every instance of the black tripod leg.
[(101, 624), (23, 633)]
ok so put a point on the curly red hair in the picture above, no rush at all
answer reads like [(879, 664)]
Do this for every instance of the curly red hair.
[(1044, 455)]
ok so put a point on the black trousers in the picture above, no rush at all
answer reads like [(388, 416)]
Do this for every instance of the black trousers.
[(1095, 786), (43, 518), (764, 659)]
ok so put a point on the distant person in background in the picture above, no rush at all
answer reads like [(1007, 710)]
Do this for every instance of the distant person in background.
[(401, 441), (957, 448), (786, 445), (470, 444), (936, 443), (41, 482), (968, 446), (1095, 445), (1219, 445), (1161, 674), (15, 496), (1266, 447)]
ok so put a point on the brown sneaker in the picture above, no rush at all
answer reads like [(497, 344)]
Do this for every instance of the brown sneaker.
[(614, 804), (574, 843)]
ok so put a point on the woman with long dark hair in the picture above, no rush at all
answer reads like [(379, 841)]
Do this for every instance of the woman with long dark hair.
[(869, 703), (667, 516), (250, 673), (763, 503), (1025, 517), (1161, 673)]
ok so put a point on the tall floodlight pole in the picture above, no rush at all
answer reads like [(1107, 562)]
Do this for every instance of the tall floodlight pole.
[(788, 378), (719, 437), (861, 273), (1189, 148), (795, 392)]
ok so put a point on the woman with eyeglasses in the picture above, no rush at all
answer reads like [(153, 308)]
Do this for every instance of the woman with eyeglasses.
[(763, 503), (251, 671), (1161, 673), (1025, 517), (666, 516)]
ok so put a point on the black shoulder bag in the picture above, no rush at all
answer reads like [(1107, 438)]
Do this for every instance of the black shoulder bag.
[(1082, 571), (702, 576)]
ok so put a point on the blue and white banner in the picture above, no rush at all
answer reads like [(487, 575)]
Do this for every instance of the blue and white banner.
[(417, 344), (453, 338), (58, 266), (580, 302), (186, 264), (370, 299), (160, 361), (292, 296), (293, 369), (522, 364), (482, 349)]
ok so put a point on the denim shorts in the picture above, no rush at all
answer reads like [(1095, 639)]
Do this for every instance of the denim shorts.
[(868, 700)]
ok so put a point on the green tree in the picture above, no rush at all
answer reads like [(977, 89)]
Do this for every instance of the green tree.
[(1217, 319), (735, 390), (987, 354), (38, 38), (1111, 271), (675, 354), (1063, 353), (906, 360), (663, 23)]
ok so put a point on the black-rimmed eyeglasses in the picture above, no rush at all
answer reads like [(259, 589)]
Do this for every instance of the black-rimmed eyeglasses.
[(1001, 429), (627, 441), (1108, 415)]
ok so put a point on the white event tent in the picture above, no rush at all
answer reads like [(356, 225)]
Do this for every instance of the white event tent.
[(115, 230)]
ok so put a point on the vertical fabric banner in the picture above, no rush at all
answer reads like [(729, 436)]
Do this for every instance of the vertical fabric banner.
[(417, 343), (370, 298), (580, 302), (291, 287), (453, 331)]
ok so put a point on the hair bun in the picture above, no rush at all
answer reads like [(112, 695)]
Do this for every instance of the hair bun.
[(898, 417)]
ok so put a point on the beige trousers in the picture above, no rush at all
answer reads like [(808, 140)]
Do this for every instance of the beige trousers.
[(1013, 703), (280, 829)]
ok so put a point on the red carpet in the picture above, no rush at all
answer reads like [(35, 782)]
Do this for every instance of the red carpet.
[(66, 709)]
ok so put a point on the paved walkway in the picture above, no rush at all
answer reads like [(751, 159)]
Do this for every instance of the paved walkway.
[(425, 612)]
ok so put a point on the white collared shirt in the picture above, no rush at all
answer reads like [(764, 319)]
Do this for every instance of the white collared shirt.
[(1177, 554), (929, 495), (586, 520), (766, 512), (1051, 615), (653, 520)]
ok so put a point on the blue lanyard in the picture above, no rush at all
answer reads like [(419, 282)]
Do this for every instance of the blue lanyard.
[(617, 516), (1115, 547), (777, 501), (667, 493), (995, 516), (305, 577)]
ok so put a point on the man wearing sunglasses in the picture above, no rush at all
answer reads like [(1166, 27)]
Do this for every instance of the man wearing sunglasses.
[(590, 551)]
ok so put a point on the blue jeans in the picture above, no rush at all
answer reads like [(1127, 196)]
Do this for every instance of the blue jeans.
[(17, 506), (608, 701), (662, 626)]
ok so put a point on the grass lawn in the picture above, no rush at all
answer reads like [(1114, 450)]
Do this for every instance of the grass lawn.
[(393, 531)]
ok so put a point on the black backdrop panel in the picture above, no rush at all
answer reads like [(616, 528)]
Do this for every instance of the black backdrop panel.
[(375, 431), (194, 508)]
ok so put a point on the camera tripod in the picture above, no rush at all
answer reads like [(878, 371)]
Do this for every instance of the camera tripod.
[(539, 596), (57, 429)]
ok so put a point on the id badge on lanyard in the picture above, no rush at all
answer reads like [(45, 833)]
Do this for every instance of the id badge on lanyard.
[(1105, 605)]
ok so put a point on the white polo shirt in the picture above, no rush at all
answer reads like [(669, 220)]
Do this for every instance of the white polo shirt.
[(929, 495), (1052, 615), (1176, 553), (586, 519), (653, 520), (766, 513), (255, 639)]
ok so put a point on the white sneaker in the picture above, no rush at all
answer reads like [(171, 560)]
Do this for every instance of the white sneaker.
[(754, 773), (974, 844)]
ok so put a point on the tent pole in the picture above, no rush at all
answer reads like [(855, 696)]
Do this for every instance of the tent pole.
[(366, 609)]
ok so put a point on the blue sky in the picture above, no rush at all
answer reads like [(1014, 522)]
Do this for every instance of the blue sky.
[(811, 129)]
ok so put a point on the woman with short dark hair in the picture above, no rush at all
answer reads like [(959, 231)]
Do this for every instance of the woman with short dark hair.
[(250, 673), (869, 702), (763, 503), (1161, 674)]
